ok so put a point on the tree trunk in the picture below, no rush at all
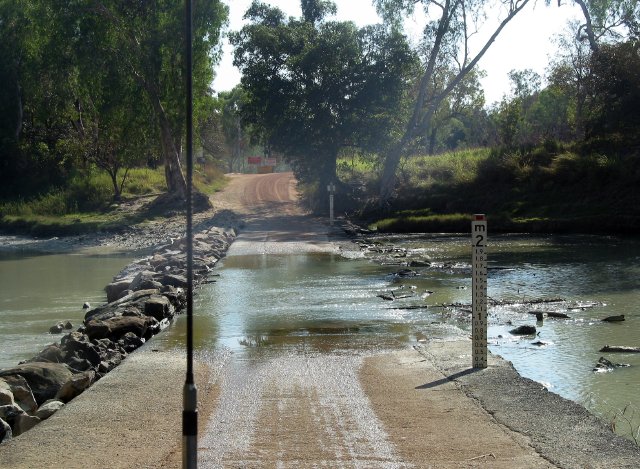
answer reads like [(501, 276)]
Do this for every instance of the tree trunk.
[(588, 26), (176, 182)]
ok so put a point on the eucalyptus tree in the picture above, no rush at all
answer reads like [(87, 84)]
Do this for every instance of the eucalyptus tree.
[(315, 85), (608, 20), (148, 39), (447, 44)]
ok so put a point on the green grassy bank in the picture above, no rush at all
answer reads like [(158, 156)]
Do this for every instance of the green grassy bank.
[(86, 205), (551, 188)]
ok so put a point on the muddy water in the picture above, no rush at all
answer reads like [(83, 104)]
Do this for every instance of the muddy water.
[(37, 291), (294, 304), (283, 305)]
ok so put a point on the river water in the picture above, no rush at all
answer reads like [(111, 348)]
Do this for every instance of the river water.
[(310, 303)]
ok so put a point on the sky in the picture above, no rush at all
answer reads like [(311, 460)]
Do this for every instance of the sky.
[(526, 42)]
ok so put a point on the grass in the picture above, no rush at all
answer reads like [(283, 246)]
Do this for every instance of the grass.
[(548, 188), (86, 204)]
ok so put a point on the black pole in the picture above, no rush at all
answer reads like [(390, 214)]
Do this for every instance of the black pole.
[(190, 411)]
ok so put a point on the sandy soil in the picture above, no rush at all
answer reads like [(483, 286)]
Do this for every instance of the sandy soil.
[(420, 407)]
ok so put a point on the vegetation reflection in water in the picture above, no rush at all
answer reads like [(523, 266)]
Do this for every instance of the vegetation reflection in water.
[(315, 303)]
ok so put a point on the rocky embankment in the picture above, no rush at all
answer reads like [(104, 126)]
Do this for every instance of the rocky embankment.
[(142, 300)]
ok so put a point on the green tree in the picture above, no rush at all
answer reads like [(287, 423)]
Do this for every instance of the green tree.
[(448, 33), (148, 39), (315, 85)]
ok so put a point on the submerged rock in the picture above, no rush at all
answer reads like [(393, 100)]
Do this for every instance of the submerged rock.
[(618, 318), (605, 365), (524, 330), (620, 349)]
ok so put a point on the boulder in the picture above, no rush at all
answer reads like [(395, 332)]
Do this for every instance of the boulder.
[(76, 385), (112, 309), (78, 345), (115, 289), (77, 363), (9, 413), (605, 365), (6, 395), (618, 318), (22, 394), (24, 422), (523, 330), (620, 349), (51, 353), (116, 327), (178, 281), (5, 431), (57, 329), (144, 280), (159, 307), (130, 342), (49, 408), (45, 379)]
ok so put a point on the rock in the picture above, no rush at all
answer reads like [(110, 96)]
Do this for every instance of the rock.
[(553, 314), (115, 328), (86, 305), (115, 289), (130, 342), (605, 365), (111, 309), (145, 280), (523, 330), (6, 395), (51, 353), (24, 422), (178, 281), (57, 329), (539, 343), (68, 325), (45, 379), (76, 363), (49, 408), (620, 349), (9, 413), (77, 345), (5, 431), (76, 385), (618, 318), (158, 307), (406, 273), (21, 391)]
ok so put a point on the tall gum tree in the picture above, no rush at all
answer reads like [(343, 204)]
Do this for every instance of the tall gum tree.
[(149, 39), (447, 45)]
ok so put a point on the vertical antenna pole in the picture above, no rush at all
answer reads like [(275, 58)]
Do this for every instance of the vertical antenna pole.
[(190, 411)]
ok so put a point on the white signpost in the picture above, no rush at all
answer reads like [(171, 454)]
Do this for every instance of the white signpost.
[(332, 189), (479, 291)]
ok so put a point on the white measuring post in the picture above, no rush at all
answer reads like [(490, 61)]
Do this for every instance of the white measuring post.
[(479, 291), (332, 189)]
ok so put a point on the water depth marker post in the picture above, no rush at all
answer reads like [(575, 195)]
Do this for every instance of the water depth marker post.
[(479, 291)]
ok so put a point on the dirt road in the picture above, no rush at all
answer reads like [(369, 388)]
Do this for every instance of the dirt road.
[(417, 407)]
